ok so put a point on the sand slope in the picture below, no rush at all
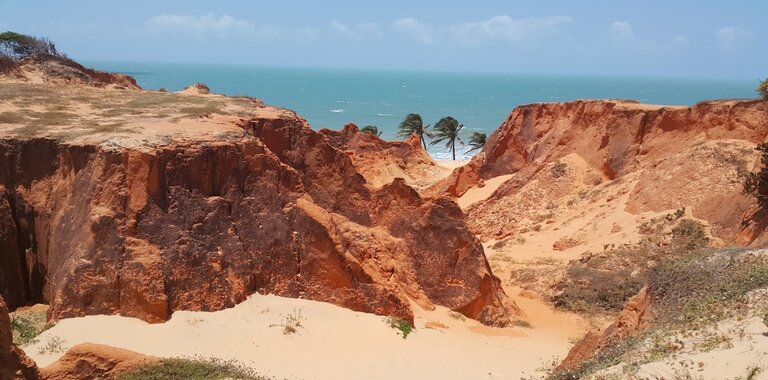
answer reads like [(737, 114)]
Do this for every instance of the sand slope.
[(335, 343)]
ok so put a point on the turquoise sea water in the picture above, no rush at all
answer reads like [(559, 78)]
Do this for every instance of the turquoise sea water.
[(329, 98)]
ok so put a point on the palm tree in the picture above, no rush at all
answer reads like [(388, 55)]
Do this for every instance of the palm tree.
[(447, 130), (476, 141), (372, 129), (413, 124)]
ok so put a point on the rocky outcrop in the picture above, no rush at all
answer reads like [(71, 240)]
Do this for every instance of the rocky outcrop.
[(679, 156), (88, 361), (201, 222), (633, 319), (57, 69), (197, 89), (380, 162), (14, 363)]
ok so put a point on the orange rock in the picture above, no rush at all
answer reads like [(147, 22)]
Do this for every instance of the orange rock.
[(435, 325), (379, 161), (680, 156), (191, 225), (633, 318), (61, 70), (94, 361)]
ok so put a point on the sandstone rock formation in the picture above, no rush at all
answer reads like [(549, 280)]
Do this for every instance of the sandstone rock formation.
[(673, 156), (633, 319), (197, 89), (46, 68), (14, 363), (88, 361), (199, 213), (380, 162)]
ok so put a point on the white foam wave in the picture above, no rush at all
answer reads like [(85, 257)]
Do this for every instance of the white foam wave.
[(338, 110)]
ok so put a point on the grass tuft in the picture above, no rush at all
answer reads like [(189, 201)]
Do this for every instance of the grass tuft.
[(192, 369), (404, 327)]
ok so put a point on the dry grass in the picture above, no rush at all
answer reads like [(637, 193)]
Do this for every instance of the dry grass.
[(76, 111), (603, 282)]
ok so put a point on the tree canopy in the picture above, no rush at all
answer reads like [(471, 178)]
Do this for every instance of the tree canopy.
[(447, 130), (18, 46), (414, 124), (762, 89), (372, 129), (476, 141)]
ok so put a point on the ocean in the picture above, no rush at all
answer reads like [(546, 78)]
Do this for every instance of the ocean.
[(330, 98)]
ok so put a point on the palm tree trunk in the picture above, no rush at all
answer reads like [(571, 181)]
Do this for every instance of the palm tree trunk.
[(423, 141), (453, 149)]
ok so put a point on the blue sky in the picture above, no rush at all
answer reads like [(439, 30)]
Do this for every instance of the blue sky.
[(704, 38)]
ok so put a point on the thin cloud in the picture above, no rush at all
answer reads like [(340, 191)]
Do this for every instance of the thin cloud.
[(340, 27), (359, 30), (623, 35), (224, 25), (370, 28), (677, 41), (503, 27), (419, 31), (731, 37), (205, 23), (621, 32)]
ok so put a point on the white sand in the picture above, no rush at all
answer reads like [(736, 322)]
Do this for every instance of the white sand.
[(335, 343), (477, 194), (451, 164)]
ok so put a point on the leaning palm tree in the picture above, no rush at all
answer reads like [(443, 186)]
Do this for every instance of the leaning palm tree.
[(447, 130), (476, 141), (413, 124), (372, 129)]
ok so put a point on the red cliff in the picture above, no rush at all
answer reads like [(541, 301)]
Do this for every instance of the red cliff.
[(678, 156), (197, 216)]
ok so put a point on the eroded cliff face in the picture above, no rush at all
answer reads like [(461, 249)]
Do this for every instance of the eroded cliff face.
[(201, 221), (380, 162), (673, 157)]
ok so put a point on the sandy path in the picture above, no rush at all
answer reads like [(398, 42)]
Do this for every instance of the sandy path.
[(335, 343)]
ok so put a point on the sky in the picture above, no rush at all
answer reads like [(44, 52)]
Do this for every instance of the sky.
[(685, 38)]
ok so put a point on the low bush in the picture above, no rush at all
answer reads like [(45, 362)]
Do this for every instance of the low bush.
[(603, 282), (192, 369), (18, 46), (762, 89), (705, 286), (401, 325)]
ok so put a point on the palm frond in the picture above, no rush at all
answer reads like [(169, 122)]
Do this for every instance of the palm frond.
[(476, 141), (412, 123), (372, 129)]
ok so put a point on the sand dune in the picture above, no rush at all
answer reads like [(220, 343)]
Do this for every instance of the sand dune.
[(334, 343)]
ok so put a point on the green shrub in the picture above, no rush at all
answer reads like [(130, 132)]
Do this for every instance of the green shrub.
[(690, 234), (762, 89), (23, 331), (402, 325), (192, 369)]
